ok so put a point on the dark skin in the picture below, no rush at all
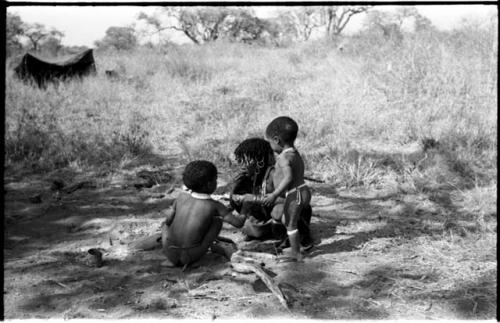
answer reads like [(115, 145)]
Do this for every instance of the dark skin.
[(289, 170), (194, 223), (289, 173)]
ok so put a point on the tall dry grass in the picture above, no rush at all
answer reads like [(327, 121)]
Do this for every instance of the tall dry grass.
[(360, 112)]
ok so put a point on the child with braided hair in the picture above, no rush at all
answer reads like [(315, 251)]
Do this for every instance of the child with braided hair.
[(256, 157)]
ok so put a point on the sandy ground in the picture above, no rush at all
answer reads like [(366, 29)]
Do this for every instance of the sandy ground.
[(369, 261)]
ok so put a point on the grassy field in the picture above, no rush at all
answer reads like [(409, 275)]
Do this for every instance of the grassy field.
[(416, 119), (193, 101)]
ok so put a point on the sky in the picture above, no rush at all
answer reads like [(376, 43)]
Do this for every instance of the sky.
[(82, 25)]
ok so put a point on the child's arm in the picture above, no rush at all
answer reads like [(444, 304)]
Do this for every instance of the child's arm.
[(228, 216), (245, 198), (284, 164), (170, 214)]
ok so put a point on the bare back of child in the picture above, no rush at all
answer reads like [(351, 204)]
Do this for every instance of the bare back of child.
[(195, 219)]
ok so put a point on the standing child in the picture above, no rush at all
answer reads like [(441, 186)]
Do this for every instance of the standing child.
[(288, 180), (195, 219)]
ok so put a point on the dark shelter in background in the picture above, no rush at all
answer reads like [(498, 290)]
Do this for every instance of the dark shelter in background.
[(40, 71)]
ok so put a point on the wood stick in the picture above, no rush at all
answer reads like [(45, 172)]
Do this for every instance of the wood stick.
[(243, 264), (259, 256), (248, 267), (224, 239), (61, 284)]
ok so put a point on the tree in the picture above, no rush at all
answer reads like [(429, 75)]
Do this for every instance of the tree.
[(120, 38), (207, 24), (392, 24), (244, 26), (52, 45), (386, 24), (13, 33), (199, 24), (304, 20), (37, 32), (336, 18), (410, 13)]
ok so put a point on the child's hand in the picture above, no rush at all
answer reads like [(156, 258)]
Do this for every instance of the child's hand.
[(269, 199), (236, 198)]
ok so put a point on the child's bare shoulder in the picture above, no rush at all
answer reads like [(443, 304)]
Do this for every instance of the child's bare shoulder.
[(210, 204), (282, 158), (185, 199), (182, 198), (287, 158)]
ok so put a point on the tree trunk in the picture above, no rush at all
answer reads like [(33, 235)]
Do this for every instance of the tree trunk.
[(191, 37)]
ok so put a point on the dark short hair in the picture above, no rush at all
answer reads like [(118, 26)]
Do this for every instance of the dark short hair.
[(253, 149), (197, 173), (284, 128)]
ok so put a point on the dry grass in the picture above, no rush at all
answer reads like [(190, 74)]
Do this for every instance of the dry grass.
[(359, 112), (192, 97)]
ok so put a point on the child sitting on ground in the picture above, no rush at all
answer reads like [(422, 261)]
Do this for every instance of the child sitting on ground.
[(195, 219), (288, 179), (255, 157), (256, 177)]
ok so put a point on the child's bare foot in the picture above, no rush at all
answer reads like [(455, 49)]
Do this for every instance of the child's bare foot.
[(282, 244), (167, 263), (223, 248)]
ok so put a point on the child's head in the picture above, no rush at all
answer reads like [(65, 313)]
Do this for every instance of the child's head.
[(282, 131), (200, 176), (254, 151)]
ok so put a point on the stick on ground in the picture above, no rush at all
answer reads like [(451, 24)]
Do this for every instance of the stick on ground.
[(243, 264)]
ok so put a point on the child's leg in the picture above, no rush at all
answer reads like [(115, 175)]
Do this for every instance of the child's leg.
[(147, 243), (277, 228), (304, 218), (254, 213), (164, 236), (294, 204), (303, 226), (292, 213), (277, 212)]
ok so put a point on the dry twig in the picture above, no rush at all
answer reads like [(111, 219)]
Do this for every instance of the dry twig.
[(243, 264)]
